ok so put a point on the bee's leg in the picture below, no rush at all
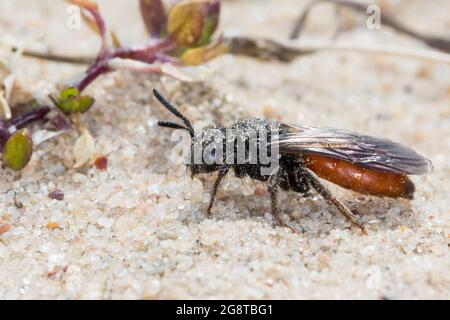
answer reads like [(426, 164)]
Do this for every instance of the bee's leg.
[(222, 173), (320, 188), (273, 190), (298, 183), (305, 186)]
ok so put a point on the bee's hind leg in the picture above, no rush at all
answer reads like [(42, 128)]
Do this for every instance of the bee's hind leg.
[(222, 173), (320, 188), (273, 190)]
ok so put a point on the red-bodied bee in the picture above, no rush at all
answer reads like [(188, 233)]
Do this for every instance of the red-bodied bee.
[(365, 164)]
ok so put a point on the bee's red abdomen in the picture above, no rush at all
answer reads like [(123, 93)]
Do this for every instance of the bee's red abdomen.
[(361, 179)]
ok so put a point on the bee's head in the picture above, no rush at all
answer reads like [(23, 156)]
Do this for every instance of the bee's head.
[(195, 168)]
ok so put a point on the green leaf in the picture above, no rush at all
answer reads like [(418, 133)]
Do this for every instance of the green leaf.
[(211, 23), (70, 101), (18, 150), (85, 103), (69, 93), (68, 106)]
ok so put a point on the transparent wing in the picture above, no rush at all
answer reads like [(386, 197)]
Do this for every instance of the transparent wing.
[(366, 151)]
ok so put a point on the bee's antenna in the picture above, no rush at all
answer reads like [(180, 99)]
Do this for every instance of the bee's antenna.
[(177, 113), (173, 125)]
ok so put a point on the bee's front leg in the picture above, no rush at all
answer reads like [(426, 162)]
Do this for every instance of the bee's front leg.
[(222, 173), (273, 190)]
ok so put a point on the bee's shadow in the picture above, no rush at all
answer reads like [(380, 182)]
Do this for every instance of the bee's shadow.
[(312, 215), (376, 214)]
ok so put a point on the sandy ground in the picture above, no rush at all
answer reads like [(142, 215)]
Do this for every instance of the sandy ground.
[(138, 230)]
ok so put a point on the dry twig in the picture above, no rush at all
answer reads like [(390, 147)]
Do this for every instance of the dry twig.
[(442, 44)]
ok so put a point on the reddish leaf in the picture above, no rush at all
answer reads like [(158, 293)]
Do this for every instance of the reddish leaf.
[(192, 22), (86, 4), (154, 16)]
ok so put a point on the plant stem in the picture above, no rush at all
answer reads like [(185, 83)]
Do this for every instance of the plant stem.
[(4, 133), (298, 27), (264, 49), (20, 122), (286, 51), (55, 57), (148, 54), (27, 118), (94, 71)]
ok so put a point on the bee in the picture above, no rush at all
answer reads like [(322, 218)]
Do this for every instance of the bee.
[(362, 163)]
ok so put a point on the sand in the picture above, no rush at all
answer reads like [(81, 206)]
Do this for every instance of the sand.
[(139, 231)]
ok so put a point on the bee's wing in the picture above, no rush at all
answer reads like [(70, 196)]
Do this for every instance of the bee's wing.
[(363, 150)]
